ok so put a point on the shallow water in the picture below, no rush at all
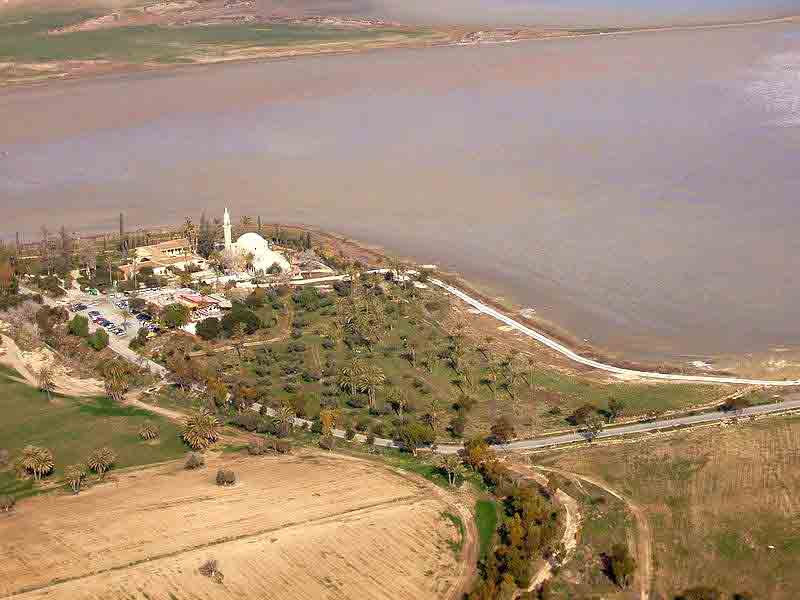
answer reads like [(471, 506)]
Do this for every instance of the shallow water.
[(640, 190), (556, 13)]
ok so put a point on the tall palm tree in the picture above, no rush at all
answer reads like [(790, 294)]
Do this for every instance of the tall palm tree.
[(74, 475), (350, 377), (372, 378), (46, 383), (190, 233), (398, 400), (246, 221)]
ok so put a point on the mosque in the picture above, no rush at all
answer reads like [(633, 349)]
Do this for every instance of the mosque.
[(264, 257)]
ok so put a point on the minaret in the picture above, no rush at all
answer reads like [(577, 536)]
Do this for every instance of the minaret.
[(226, 226)]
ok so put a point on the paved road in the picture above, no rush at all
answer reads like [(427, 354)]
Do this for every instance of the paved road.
[(688, 421), (575, 357)]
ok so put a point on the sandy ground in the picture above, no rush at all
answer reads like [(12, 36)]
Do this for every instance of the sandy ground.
[(27, 364), (305, 526)]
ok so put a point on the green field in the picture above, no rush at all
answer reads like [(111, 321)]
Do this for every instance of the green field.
[(72, 428), (485, 522), (23, 38)]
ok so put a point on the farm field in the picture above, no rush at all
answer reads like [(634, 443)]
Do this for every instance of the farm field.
[(721, 504), (71, 428), (303, 526)]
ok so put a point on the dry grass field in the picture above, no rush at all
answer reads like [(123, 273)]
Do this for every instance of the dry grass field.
[(722, 504), (306, 526)]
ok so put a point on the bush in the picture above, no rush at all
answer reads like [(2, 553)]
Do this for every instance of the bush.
[(98, 340), (210, 568), (194, 460), (258, 448), (226, 477), (175, 315), (265, 425), (282, 446), (581, 414), (371, 439), (248, 420), (209, 329), (328, 442), (79, 326), (457, 425), (349, 432), (328, 344), (503, 430), (296, 346), (5, 455), (149, 431), (7, 503), (362, 423)]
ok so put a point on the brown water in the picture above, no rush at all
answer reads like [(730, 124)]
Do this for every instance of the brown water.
[(643, 191)]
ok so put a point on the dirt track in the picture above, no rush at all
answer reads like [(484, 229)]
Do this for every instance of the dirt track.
[(306, 526)]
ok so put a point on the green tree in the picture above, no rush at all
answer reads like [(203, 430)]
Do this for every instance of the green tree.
[(413, 436), (615, 408), (79, 326), (372, 378), (175, 315), (209, 329), (98, 340)]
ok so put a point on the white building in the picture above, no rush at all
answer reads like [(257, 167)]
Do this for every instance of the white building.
[(263, 257)]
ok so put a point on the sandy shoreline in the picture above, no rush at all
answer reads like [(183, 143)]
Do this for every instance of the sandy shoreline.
[(437, 37)]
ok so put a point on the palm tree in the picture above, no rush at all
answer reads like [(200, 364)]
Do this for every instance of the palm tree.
[(398, 400), (46, 383), (190, 233), (116, 380), (37, 460), (74, 475), (372, 378), (350, 377), (433, 414), (245, 221), (284, 418), (149, 431), (101, 460), (201, 429), (429, 359)]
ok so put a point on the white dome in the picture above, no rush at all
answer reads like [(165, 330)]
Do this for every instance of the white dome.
[(263, 256)]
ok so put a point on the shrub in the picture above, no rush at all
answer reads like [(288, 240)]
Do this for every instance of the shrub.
[(349, 432), (5, 456), (194, 460), (296, 347), (248, 420), (7, 503), (503, 430), (79, 326), (457, 425), (328, 344), (371, 439), (328, 442), (581, 414), (282, 446), (258, 447), (266, 425), (621, 565), (210, 568), (149, 431), (362, 423), (98, 340), (226, 477), (209, 329)]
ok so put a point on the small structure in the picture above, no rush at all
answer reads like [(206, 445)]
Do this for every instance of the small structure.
[(172, 254)]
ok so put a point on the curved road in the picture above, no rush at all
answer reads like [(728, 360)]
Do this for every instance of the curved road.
[(575, 357)]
